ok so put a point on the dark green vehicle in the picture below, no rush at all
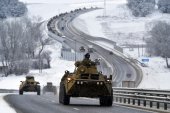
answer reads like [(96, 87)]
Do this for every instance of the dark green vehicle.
[(29, 85), (50, 88), (86, 81)]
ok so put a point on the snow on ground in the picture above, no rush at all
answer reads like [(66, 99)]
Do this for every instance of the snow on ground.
[(49, 8), (156, 74), (120, 26), (58, 67), (4, 107)]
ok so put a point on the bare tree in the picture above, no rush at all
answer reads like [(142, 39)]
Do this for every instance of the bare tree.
[(4, 49), (19, 40), (141, 7), (46, 55), (159, 42), (164, 6), (42, 41)]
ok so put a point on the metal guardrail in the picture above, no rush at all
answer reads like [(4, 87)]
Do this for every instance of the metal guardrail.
[(8, 91), (142, 97)]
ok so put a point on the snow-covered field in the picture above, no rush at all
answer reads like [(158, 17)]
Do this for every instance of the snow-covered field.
[(47, 9), (120, 23), (120, 26)]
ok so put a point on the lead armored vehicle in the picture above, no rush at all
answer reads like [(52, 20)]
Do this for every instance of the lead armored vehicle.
[(29, 85), (86, 81), (50, 88)]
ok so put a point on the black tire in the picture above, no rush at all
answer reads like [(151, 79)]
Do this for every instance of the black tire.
[(60, 94), (101, 100), (38, 90), (20, 92), (106, 100), (63, 97), (109, 101)]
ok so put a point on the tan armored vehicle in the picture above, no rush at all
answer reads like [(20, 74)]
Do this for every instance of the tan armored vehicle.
[(86, 81), (29, 85), (50, 88)]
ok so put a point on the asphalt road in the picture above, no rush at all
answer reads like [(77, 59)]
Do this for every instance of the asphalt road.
[(31, 103), (119, 67)]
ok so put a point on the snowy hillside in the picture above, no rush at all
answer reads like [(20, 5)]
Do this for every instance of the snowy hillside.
[(123, 28), (47, 9), (120, 26)]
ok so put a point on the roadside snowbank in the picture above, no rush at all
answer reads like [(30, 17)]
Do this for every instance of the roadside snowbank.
[(4, 107), (58, 67), (121, 27)]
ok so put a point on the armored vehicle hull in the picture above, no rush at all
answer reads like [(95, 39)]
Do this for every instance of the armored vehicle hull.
[(29, 85), (86, 81), (50, 88)]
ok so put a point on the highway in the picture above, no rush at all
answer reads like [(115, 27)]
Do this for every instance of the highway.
[(119, 67), (30, 103)]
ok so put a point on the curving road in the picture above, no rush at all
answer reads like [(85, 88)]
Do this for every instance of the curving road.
[(30, 103), (119, 67)]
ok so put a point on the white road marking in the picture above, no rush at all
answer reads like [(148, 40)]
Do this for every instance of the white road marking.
[(76, 109)]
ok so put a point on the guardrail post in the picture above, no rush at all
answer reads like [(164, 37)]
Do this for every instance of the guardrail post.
[(116, 99), (128, 100), (124, 100), (138, 102), (151, 104), (120, 100), (133, 101), (144, 103), (165, 106), (157, 105)]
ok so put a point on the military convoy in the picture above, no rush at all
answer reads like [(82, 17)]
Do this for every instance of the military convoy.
[(86, 81), (50, 88), (29, 85)]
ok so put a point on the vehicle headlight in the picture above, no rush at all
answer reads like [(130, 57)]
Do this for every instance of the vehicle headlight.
[(69, 79)]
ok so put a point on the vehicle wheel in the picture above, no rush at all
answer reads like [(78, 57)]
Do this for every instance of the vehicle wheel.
[(63, 97), (20, 92), (38, 90), (102, 101), (66, 98), (60, 94), (109, 101), (106, 101)]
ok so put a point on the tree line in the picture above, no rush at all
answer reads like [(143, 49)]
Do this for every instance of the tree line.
[(158, 43), (22, 42), (141, 8), (12, 8)]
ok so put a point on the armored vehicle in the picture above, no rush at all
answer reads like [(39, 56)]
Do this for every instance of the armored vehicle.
[(86, 81), (29, 85), (50, 88), (82, 49)]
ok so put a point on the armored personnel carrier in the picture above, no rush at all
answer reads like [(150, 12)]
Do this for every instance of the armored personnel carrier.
[(29, 85), (50, 88), (86, 81)]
